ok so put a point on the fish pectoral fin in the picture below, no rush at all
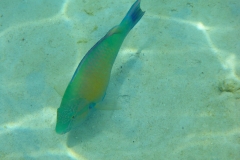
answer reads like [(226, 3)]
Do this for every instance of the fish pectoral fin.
[(81, 113), (81, 109), (79, 119)]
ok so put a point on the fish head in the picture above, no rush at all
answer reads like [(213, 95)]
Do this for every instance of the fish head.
[(64, 120), (68, 114)]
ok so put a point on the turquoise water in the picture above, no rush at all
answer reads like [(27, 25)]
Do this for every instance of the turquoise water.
[(175, 80)]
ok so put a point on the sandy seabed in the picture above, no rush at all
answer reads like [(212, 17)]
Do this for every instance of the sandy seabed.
[(175, 80)]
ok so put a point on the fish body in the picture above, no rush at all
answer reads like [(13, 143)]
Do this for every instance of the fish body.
[(90, 80)]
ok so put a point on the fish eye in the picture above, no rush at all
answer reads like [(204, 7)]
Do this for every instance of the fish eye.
[(73, 117)]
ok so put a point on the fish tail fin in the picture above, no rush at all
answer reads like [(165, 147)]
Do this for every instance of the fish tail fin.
[(132, 17), (129, 21)]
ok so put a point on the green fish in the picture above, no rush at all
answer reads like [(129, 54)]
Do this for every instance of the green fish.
[(90, 80)]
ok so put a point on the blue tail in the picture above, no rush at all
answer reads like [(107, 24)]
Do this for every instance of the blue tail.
[(133, 16)]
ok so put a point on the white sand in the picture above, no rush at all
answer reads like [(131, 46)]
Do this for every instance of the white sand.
[(176, 79)]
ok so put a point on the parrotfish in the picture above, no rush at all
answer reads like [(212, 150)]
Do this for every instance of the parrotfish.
[(90, 80)]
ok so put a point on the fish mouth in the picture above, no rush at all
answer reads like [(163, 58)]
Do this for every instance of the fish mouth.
[(61, 129)]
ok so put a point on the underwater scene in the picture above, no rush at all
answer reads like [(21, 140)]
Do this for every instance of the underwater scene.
[(119, 80)]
